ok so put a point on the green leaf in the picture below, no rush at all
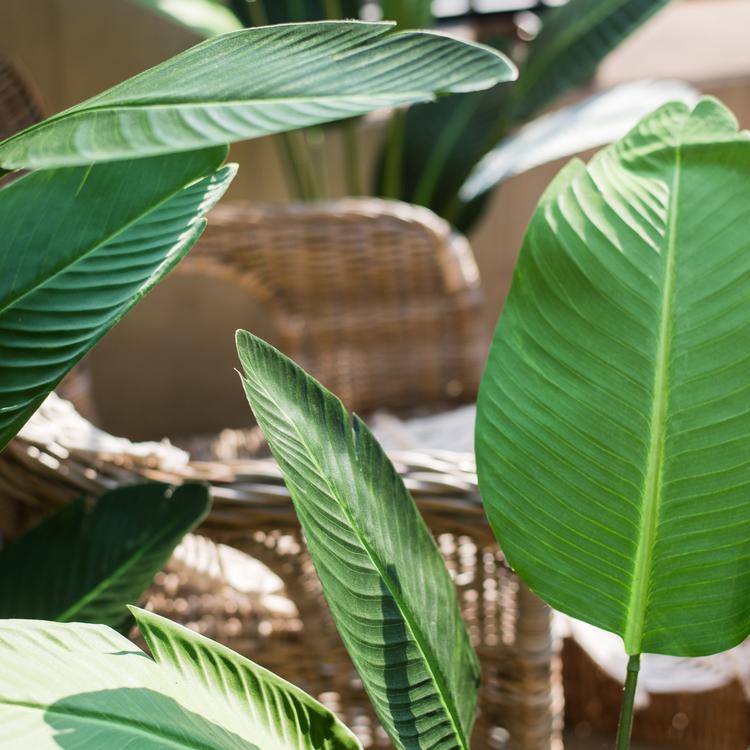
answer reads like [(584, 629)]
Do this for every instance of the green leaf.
[(613, 429), (204, 17), (80, 247), (85, 565), (85, 686), (574, 39), (255, 82), (385, 581), (593, 122)]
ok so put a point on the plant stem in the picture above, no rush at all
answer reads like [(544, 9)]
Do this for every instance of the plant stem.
[(625, 725), (351, 157), (392, 167), (244, 11), (296, 181), (333, 10)]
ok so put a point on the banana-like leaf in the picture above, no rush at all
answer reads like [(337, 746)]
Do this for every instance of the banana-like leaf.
[(252, 83), (385, 581), (613, 429), (204, 17), (593, 122), (82, 565), (80, 247), (86, 687), (575, 38)]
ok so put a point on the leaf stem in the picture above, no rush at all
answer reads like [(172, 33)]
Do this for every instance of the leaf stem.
[(393, 155), (625, 725), (351, 157)]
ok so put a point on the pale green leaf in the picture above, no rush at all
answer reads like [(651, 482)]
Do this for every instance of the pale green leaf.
[(595, 121), (613, 429), (85, 565), (255, 82), (204, 17), (80, 247), (385, 581), (86, 687)]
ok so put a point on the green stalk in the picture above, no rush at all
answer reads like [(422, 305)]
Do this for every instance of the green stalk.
[(393, 161), (298, 177), (351, 158), (246, 12), (333, 10), (625, 725)]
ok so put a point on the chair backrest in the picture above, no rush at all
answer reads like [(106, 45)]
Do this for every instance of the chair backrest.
[(379, 300), (19, 103)]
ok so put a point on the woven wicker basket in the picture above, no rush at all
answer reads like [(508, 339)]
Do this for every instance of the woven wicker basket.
[(59, 455)]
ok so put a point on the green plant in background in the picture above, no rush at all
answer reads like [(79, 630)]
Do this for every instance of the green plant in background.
[(450, 155)]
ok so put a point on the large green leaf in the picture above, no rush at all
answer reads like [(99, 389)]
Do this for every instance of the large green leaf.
[(384, 578), (80, 247), (204, 17), (575, 38), (255, 82), (84, 687), (595, 121), (613, 428), (82, 565)]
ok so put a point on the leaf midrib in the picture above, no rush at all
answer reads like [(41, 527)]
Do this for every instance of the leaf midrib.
[(652, 485), (138, 728), (12, 301), (111, 581), (434, 673)]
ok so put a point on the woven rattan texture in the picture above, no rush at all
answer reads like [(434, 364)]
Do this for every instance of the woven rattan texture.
[(53, 461), (19, 104), (379, 300)]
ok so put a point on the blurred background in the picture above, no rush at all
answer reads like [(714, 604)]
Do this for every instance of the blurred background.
[(168, 369)]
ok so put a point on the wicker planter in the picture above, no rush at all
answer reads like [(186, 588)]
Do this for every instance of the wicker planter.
[(381, 302)]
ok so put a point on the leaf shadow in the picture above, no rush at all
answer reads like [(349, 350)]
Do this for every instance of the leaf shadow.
[(396, 661), (146, 718)]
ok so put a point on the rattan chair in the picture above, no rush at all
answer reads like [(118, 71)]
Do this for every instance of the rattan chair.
[(379, 300)]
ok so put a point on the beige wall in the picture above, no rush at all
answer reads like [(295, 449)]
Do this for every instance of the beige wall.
[(168, 368)]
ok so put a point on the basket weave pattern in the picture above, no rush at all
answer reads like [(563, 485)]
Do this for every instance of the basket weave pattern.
[(379, 300), (59, 456)]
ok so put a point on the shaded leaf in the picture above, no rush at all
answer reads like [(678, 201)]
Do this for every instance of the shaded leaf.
[(574, 39), (613, 431), (82, 565), (110, 233), (385, 581)]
